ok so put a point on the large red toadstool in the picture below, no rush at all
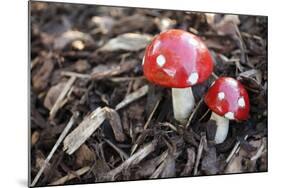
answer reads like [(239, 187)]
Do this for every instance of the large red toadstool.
[(228, 100), (178, 60)]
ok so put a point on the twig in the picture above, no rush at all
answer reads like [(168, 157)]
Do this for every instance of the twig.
[(122, 154), (159, 169), (124, 79), (169, 125), (204, 115), (132, 97), (151, 115), (60, 99), (199, 154), (68, 177), (214, 75), (63, 134), (84, 130), (133, 160), (75, 74), (259, 152), (194, 111), (235, 150), (146, 124)]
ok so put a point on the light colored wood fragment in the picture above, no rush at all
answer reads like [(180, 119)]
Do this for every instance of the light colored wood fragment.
[(132, 97), (203, 141), (75, 74), (151, 115), (60, 99), (68, 177), (84, 130), (235, 150), (133, 160), (115, 122)]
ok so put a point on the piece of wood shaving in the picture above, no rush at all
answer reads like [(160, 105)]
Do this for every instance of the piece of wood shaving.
[(60, 100), (133, 160), (84, 130), (68, 177), (203, 141), (132, 97), (115, 122)]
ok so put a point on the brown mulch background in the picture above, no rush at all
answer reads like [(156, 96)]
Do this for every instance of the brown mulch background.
[(90, 43)]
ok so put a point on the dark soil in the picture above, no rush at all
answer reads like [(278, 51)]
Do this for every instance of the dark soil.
[(69, 38)]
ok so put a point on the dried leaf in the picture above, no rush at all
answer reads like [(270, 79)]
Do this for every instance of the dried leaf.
[(128, 42)]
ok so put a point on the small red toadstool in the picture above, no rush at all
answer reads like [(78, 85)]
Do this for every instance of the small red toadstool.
[(178, 60), (228, 100)]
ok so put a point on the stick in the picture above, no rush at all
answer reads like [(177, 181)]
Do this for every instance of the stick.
[(259, 152), (146, 125), (194, 111), (124, 79), (199, 154), (75, 74), (63, 134), (151, 115), (133, 160), (122, 154), (235, 149), (132, 97), (62, 95), (68, 177), (84, 130)]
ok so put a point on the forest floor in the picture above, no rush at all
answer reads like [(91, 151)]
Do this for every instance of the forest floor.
[(90, 100)]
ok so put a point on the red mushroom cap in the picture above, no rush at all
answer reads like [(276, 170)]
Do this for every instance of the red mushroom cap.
[(177, 59), (227, 97)]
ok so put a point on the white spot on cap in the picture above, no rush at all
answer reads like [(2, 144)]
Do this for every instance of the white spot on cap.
[(193, 78), (229, 115), (241, 102), (160, 60), (143, 60), (221, 95)]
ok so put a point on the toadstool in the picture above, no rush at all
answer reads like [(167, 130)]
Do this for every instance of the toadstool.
[(179, 60), (228, 100)]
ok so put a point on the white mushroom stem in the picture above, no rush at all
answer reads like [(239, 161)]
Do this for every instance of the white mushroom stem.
[(222, 127), (183, 103)]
